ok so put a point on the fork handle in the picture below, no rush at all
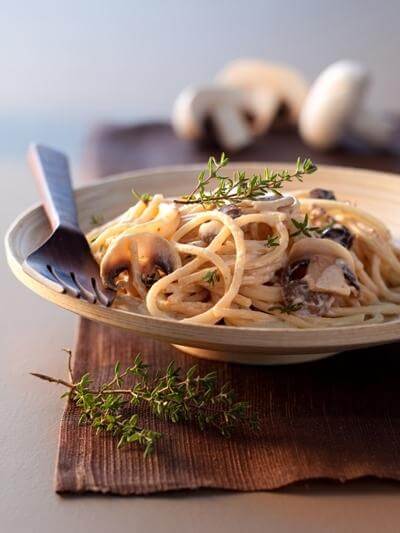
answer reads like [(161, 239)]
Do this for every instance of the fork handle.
[(51, 170)]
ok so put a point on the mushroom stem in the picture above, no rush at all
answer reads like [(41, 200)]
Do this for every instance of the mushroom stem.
[(232, 128)]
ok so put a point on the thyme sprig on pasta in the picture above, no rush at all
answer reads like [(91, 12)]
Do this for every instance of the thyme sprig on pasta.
[(216, 189), (211, 277), (286, 309), (175, 396), (144, 197), (303, 227), (272, 241)]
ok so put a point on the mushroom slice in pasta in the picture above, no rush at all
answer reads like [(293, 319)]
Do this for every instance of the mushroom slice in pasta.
[(275, 202), (309, 247), (144, 256), (318, 270), (209, 230)]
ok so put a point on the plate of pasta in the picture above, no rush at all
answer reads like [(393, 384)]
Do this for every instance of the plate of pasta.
[(251, 263)]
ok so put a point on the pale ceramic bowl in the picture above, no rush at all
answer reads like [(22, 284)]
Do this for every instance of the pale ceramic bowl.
[(377, 192)]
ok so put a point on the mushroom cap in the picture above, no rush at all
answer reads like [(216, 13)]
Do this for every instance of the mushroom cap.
[(309, 247), (274, 203), (209, 230), (260, 77), (332, 101), (140, 254), (318, 266), (195, 104)]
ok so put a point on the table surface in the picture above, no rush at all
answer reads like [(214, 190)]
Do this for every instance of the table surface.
[(33, 333)]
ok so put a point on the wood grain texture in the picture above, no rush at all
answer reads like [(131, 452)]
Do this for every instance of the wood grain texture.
[(377, 192), (338, 418)]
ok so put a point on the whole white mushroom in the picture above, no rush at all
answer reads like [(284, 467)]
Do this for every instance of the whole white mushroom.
[(334, 107), (244, 102), (228, 109)]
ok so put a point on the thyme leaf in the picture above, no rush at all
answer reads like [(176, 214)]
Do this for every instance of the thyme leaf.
[(272, 241), (302, 227), (286, 309), (144, 197), (211, 277)]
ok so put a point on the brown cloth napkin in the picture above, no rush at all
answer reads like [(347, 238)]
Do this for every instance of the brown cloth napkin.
[(338, 418)]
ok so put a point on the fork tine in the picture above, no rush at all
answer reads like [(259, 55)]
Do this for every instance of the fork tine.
[(105, 296), (39, 272), (67, 282), (86, 286)]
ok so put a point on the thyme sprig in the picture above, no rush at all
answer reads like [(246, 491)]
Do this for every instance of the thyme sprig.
[(303, 227), (175, 396), (213, 188)]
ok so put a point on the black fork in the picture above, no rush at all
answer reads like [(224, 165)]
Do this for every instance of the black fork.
[(64, 262)]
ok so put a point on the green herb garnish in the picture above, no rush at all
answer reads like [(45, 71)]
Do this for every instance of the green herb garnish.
[(96, 220), (215, 189), (211, 277), (286, 309), (304, 228), (144, 197), (176, 396), (272, 241)]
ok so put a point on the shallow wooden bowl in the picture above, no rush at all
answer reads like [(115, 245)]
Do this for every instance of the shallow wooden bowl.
[(376, 192)]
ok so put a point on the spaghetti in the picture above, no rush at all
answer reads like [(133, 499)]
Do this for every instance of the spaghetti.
[(304, 260)]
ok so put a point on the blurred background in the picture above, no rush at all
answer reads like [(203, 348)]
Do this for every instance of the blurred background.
[(69, 64)]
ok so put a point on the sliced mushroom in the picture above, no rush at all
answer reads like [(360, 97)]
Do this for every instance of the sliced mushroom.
[(340, 234), (145, 256), (274, 202), (231, 210), (209, 230), (317, 272), (323, 194), (326, 274), (307, 248), (311, 303)]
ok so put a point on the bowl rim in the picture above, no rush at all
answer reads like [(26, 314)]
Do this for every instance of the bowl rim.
[(191, 334)]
